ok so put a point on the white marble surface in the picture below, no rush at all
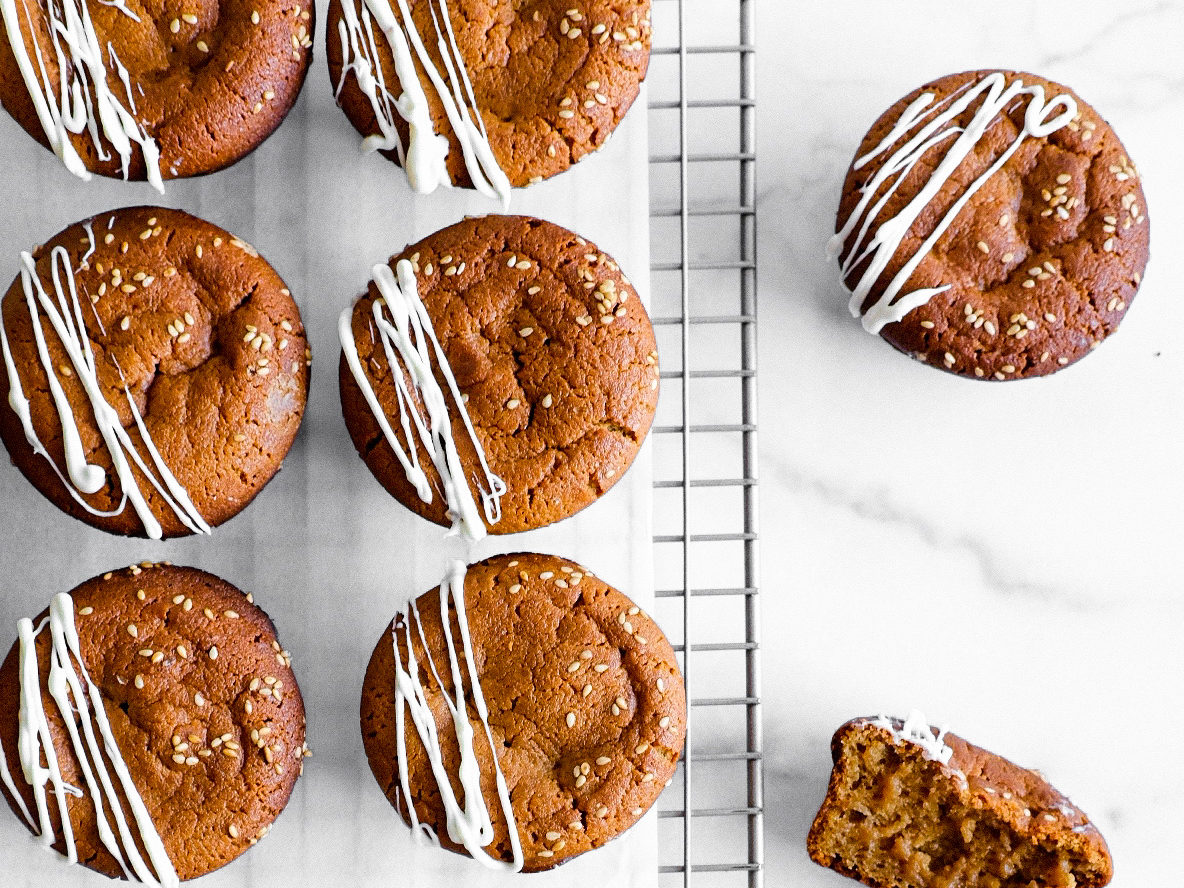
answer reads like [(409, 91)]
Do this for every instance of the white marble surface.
[(1005, 557)]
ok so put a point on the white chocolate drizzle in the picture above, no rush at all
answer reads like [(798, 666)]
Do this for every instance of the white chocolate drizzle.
[(81, 706), (1041, 118), (916, 730), (468, 822), (424, 157), (84, 102), (409, 340), (64, 312)]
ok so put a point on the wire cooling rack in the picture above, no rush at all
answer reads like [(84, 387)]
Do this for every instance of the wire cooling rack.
[(703, 284)]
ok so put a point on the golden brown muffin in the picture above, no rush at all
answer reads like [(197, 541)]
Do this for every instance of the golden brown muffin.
[(552, 351), (552, 78), (209, 342), (209, 80), (203, 705), (897, 816), (586, 707), (1043, 260)]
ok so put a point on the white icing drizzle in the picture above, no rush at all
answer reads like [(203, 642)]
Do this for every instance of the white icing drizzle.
[(916, 730), (1040, 119), (409, 340), (424, 157), (468, 824), (80, 705), (84, 102), (64, 312)]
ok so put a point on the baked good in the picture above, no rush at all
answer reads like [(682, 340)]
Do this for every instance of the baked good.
[(547, 82), (576, 690), (179, 737), (992, 225), (155, 372), (910, 806), (162, 91), (545, 381)]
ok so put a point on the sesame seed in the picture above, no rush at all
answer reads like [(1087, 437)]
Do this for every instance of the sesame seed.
[(571, 719), (214, 653), (602, 812), (202, 46), (642, 747), (233, 830), (133, 631), (254, 16), (174, 26), (664, 721), (86, 611), (513, 403), (139, 682), (526, 331), (982, 247), (600, 667)]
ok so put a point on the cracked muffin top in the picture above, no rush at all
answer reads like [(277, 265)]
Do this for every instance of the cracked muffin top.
[(203, 708), (553, 355), (586, 707), (993, 226), (156, 376), (551, 79), (204, 81)]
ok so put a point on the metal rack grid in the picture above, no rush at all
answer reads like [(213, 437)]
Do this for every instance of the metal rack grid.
[(703, 283)]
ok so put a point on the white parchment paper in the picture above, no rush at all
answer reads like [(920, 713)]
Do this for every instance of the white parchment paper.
[(327, 553)]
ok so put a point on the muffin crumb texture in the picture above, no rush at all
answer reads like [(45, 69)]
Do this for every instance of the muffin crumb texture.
[(895, 818)]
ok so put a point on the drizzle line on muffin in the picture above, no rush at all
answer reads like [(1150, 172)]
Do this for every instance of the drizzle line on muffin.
[(468, 823), (77, 696), (87, 103), (424, 156), (64, 312), (1040, 121), (402, 324)]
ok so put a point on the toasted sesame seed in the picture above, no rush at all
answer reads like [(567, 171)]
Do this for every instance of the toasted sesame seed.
[(174, 26)]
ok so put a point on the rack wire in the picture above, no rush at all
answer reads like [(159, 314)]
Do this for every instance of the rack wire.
[(704, 295)]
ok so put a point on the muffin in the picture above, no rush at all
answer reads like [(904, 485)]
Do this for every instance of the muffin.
[(573, 695), (911, 807), (541, 377), (182, 735), (156, 372), (540, 85), (176, 91), (993, 226)]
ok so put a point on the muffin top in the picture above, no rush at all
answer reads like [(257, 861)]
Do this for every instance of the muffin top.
[(156, 372), (993, 226), (586, 708), (202, 706), (553, 356), (178, 89), (550, 81)]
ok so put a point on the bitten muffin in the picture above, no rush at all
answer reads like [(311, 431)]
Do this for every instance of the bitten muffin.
[(586, 707), (552, 79), (197, 84), (203, 708), (1020, 276), (911, 807), (554, 357), (181, 319)]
